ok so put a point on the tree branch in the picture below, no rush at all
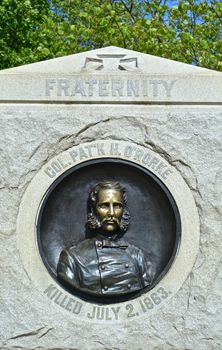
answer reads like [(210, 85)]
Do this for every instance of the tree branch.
[(129, 10)]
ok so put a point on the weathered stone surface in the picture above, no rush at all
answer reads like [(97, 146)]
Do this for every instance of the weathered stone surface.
[(188, 137)]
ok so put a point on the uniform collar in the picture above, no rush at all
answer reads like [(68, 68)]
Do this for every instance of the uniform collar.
[(114, 244), (111, 241)]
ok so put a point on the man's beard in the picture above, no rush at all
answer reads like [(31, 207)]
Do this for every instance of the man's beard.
[(95, 223)]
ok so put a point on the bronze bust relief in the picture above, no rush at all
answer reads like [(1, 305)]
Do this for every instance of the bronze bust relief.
[(106, 264)]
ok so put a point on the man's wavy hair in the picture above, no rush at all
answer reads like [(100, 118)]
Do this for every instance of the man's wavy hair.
[(92, 220)]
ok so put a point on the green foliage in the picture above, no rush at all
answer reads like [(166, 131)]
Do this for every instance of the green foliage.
[(19, 23), (34, 30)]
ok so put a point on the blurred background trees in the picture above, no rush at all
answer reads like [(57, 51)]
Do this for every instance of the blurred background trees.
[(187, 31)]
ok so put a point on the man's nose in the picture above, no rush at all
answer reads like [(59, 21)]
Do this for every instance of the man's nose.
[(111, 211)]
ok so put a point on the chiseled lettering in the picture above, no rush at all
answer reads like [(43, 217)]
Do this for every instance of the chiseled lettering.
[(63, 302), (60, 299), (79, 88), (160, 167), (145, 88), (117, 87), (89, 149), (155, 84), (130, 309), (50, 172), (146, 158), (50, 84), (154, 161), (100, 149), (82, 153), (168, 85), (63, 87), (116, 311), (114, 149), (70, 304), (73, 155), (103, 87), (62, 163), (93, 313), (50, 291), (91, 84), (138, 155), (73, 306), (77, 308), (166, 173), (128, 151), (108, 318), (100, 313), (57, 166), (104, 313), (133, 88), (56, 300)]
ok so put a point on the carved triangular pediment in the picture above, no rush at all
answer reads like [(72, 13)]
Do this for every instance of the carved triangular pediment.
[(111, 75)]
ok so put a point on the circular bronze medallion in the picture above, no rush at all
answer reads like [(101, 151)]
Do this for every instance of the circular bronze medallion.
[(154, 218)]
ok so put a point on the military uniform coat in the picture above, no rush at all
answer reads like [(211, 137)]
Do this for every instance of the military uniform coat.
[(104, 267)]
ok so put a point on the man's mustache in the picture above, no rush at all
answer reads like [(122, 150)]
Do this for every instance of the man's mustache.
[(110, 219)]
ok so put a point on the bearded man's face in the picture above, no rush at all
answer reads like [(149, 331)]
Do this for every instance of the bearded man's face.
[(109, 209)]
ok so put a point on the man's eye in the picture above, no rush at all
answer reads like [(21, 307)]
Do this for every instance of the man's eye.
[(103, 206), (118, 206)]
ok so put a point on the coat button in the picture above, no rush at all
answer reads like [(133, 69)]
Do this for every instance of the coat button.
[(105, 288), (103, 267), (129, 286), (126, 265), (99, 244)]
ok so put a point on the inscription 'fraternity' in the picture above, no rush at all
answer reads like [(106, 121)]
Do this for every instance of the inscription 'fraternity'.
[(110, 88)]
